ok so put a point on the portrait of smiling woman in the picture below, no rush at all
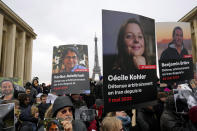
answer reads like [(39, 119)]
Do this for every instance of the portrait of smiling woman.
[(131, 46), (128, 42)]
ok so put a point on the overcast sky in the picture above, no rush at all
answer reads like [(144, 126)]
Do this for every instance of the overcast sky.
[(60, 22)]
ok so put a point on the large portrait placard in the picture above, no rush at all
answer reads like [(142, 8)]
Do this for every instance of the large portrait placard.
[(129, 60), (174, 47), (70, 73)]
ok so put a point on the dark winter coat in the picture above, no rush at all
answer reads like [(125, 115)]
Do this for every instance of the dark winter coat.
[(172, 53), (158, 108), (26, 117), (42, 109), (38, 89), (147, 120), (176, 122), (172, 121)]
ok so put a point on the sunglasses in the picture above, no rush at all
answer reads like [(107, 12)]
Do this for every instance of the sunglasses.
[(65, 111)]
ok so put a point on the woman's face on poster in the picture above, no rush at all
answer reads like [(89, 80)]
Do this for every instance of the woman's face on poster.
[(134, 39)]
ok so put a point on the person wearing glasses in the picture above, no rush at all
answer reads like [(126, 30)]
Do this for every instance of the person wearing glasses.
[(70, 59), (131, 47), (63, 109)]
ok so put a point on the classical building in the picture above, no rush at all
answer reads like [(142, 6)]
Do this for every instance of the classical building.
[(192, 18), (16, 42)]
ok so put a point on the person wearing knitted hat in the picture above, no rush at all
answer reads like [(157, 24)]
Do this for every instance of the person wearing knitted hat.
[(63, 109)]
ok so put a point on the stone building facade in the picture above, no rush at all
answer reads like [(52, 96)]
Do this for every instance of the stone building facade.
[(16, 44), (192, 18)]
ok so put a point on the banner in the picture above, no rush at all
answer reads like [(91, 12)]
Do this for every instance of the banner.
[(174, 51), (129, 60), (70, 72)]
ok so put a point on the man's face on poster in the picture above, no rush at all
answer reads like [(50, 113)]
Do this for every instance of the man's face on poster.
[(70, 60), (7, 88), (178, 37)]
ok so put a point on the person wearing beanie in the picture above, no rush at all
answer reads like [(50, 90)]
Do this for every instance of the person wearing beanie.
[(63, 109), (33, 90)]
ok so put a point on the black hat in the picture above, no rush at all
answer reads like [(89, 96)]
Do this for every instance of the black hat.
[(61, 102)]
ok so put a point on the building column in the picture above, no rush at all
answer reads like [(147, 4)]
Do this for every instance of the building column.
[(195, 35), (28, 60), (1, 33), (19, 56), (9, 51)]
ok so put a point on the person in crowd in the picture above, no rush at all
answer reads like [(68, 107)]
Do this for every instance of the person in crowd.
[(97, 89), (70, 60), (35, 114), (89, 100), (171, 120), (63, 109), (125, 119), (193, 118), (53, 125), (17, 112), (35, 84), (159, 107), (7, 90), (147, 120), (77, 100), (33, 90), (48, 113), (28, 92), (176, 49), (111, 124), (99, 107), (43, 106), (46, 90), (25, 116), (131, 47)]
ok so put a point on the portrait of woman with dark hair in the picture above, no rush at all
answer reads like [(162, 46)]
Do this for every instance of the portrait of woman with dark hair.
[(131, 46)]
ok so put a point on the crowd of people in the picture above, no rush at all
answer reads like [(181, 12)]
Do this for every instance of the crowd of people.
[(35, 112)]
